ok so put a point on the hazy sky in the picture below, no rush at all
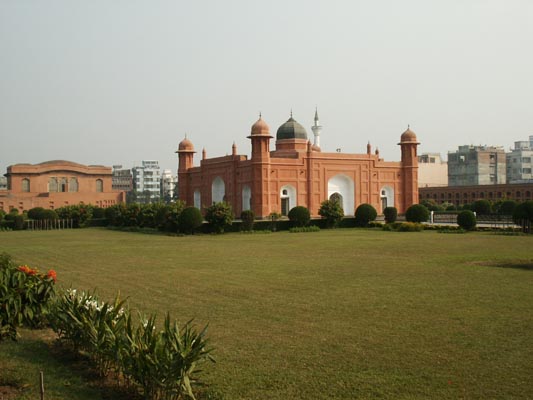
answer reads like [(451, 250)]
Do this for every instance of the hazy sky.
[(115, 82)]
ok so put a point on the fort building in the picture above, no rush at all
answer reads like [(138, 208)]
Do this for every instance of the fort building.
[(297, 173)]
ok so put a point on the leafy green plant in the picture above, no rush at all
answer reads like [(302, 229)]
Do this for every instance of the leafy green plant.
[(189, 220), (332, 211), (247, 217), (299, 216), (364, 214), (219, 216), (482, 207), (390, 213), (24, 296), (300, 229), (417, 213), (466, 219)]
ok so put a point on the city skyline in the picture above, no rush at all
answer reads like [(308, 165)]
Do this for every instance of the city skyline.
[(117, 83)]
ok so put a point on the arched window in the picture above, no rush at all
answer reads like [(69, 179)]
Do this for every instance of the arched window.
[(99, 185), (528, 194), (246, 197), (288, 199), (73, 185), (62, 185), (25, 185), (344, 186), (218, 190), (52, 185), (197, 199)]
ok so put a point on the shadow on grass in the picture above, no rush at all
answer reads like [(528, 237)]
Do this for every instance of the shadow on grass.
[(523, 265), (66, 375)]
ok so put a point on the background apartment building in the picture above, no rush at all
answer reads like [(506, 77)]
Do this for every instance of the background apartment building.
[(432, 170), (122, 179), (519, 162), (147, 181), (168, 186), (477, 165)]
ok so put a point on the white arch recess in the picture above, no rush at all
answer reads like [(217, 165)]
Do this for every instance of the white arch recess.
[(287, 193), (386, 193), (246, 197), (197, 199), (218, 190), (344, 186)]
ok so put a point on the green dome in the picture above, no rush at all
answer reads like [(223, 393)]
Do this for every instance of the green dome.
[(291, 130)]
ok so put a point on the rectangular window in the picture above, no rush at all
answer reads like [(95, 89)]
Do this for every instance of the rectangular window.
[(526, 160), (526, 170)]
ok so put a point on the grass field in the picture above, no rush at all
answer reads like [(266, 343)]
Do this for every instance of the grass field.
[(338, 314)]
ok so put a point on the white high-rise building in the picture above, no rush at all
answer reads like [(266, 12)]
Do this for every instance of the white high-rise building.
[(519, 166), (168, 185), (147, 181)]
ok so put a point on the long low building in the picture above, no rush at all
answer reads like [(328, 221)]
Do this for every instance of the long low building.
[(53, 184), (459, 195)]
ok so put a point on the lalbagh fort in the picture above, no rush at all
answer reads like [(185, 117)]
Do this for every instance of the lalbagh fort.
[(298, 173)]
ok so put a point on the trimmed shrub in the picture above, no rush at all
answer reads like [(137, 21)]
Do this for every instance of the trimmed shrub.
[(523, 215), (466, 219), (417, 213), (299, 216), (482, 207), (301, 229), (219, 216), (364, 214), (36, 213), (507, 207), (332, 211), (390, 213), (247, 217), (410, 227), (189, 220), (404, 227)]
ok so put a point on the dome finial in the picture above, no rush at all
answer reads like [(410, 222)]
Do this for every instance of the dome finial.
[(291, 112), (260, 115)]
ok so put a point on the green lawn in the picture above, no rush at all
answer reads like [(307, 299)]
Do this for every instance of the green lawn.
[(337, 314)]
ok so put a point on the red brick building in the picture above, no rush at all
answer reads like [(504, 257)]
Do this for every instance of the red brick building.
[(459, 195), (297, 173), (54, 184)]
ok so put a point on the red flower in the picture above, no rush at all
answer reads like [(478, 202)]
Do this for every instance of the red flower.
[(27, 270), (52, 274), (24, 268)]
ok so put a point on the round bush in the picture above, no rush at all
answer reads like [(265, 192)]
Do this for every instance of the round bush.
[(417, 213), (299, 216), (190, 219), (247, 217), (364, 214), (467, 220), (390, 213), (482, 207)]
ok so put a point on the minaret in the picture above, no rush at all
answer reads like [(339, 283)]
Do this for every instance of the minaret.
[(316, 128)]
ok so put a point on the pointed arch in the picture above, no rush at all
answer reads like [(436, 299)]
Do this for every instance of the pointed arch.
[(386, 197), (287, 199), (218, 190), (246, 197), (344, 187), (197, 199)]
